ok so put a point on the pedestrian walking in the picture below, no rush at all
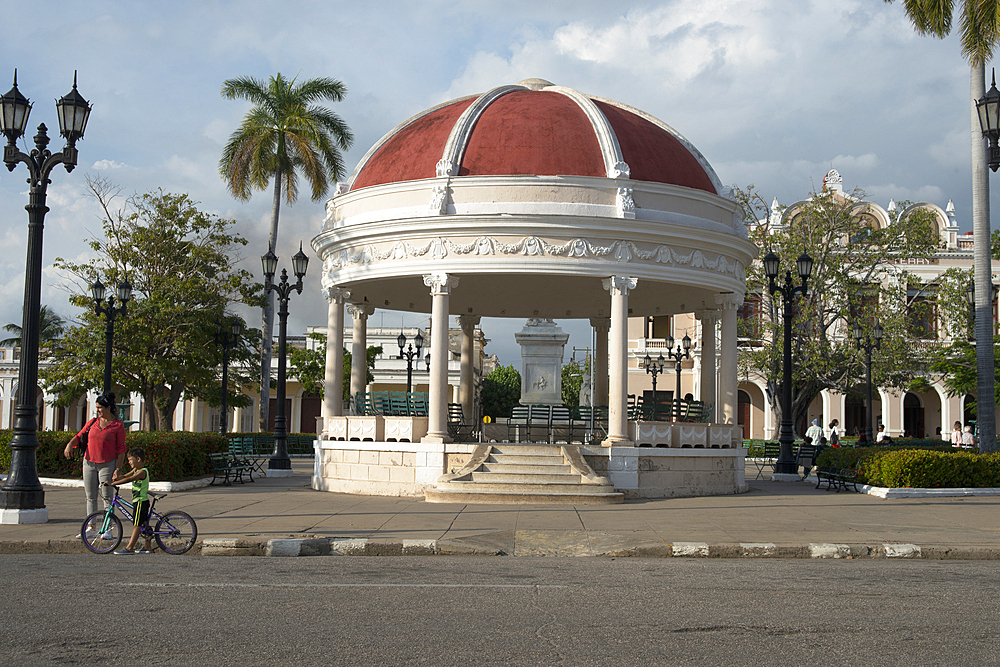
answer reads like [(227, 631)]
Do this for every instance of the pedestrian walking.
[(104, 452)]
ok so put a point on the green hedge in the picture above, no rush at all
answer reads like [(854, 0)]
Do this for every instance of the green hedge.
[(924, 469), (172, 455), (929, 466)]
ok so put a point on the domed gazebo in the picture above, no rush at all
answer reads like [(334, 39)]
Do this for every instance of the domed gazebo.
[(534, 201)]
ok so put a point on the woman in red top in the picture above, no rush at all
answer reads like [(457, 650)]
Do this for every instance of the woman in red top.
[(105, 451)]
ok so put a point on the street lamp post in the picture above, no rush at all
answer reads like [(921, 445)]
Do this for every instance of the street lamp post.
[(22, 499), (785, 465), (988, 107), (410, 354), (280, 465), (654, 368), (683, 351), (226, 338), (111, 313), (868, 343)]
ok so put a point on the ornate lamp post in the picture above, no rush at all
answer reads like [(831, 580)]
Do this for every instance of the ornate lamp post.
[(410, 354), (22, 499), (988, 107), (226, 338), (110, 313), (683, 351), (868, 343), (785, 465), (280, 465), (654, 368)]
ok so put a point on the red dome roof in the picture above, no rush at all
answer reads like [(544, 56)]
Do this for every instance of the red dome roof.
[(519, 131)]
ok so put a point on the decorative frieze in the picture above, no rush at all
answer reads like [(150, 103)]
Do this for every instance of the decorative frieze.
[(622, 251)]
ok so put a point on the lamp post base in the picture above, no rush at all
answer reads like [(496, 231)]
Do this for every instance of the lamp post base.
[(19, 516), (786, 477), (276, 472)]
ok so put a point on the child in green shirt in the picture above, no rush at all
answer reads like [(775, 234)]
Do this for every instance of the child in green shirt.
[(139, 477)]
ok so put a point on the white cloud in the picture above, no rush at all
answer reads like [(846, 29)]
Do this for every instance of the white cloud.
[(106, 165)]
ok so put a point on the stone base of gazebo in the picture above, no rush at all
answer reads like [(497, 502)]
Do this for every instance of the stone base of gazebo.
[(651, 472), (699, 460)]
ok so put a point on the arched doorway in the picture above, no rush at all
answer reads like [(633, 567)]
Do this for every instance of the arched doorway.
[(312, 407), (969, 410), (913, 416), (743, 413)]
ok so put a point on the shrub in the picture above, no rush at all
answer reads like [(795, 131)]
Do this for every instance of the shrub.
[(171, 455), (931, 465)]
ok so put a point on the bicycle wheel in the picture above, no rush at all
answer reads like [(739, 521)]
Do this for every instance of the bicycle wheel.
[(176, 532), (102, 539)]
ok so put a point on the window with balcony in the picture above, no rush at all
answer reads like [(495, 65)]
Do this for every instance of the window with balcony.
[(921, 311), (749, 316)]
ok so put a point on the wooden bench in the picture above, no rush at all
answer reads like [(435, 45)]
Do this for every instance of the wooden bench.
[(767, 456), (226, 465), (243, 452), (806, 453), (837, 478), (458, 428)]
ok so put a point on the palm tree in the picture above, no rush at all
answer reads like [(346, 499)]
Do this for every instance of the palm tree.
[(980, 34), (284, 133), (51, 327)]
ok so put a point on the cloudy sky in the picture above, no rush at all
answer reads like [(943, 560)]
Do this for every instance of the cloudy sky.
[(773, 92)]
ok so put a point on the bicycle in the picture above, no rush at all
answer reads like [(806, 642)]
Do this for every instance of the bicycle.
[(175, 531)]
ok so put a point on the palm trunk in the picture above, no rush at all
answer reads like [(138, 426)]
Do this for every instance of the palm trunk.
[(985, 400), (268, 323)]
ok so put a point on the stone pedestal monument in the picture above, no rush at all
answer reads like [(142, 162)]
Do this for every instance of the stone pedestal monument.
[(542, 343)]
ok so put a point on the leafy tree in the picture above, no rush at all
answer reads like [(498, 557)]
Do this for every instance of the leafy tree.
[(859, 276), (182, 267), (309, 366), (284, 133), (572, 381), (980, 33), (501, 391), (956, 363), (51, 327)]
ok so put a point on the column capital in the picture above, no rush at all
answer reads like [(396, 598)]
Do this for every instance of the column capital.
[(619, 284), (335, 294), (708, 316), (729, 300), (601, 323), (440, 283), (468, 322), (360, 311)]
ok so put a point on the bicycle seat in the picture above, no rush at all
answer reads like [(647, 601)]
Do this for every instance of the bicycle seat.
[(156, 496)]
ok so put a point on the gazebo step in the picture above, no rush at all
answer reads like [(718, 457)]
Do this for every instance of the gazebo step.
[(526, 478), (506, 448), (527, 459), (526, 487), (478, 496), (530, 469)]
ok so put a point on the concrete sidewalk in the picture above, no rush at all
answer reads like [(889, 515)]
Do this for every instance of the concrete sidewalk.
[(284, 516)]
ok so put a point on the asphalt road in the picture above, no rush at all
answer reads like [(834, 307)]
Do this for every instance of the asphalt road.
[(188, 610)]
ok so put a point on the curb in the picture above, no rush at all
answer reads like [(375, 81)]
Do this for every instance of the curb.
[(365, 547), (335, 546)]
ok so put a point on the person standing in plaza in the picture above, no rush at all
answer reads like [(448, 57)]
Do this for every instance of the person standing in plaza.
[(956, 435), (105, 451), (835, 433), (815, 432)]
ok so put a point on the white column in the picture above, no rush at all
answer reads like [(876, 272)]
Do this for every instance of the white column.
[(467, 389), (730, 302), (619, 287), (708, 319), (441, 285), (600, 360), (333, 380), (359, 347)]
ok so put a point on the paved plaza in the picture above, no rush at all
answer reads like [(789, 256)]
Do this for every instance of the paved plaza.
[(284, 516)]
